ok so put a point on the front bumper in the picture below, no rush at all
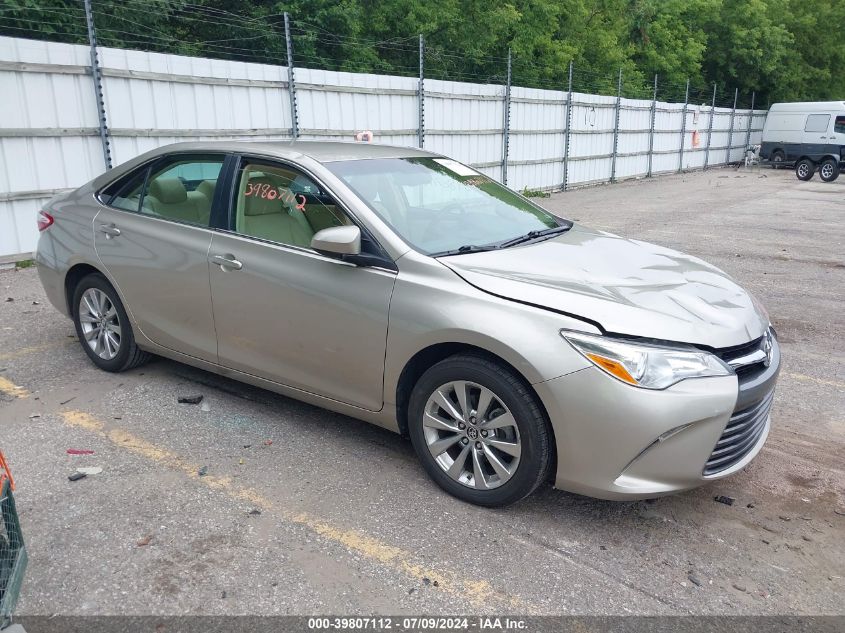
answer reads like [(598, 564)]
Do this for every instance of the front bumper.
[(615, 441)]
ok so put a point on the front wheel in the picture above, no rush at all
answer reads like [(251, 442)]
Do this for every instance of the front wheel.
[(479, 431), (804, 169), (829, 170), (103, 327)]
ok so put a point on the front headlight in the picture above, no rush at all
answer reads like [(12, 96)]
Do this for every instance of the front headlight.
[(644, 365)]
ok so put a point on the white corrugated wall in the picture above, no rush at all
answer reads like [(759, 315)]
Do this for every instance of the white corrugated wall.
[(49, 134)]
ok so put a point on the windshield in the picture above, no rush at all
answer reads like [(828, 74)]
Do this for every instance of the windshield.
[(439, 205)]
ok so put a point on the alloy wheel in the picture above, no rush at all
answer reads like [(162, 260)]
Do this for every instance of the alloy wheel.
[(826, 171), (100, 323), (472, 435), (803, 170)]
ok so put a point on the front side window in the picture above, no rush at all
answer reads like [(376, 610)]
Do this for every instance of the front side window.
[(839, 125), (439, 205), (817, 123), (280, 204)]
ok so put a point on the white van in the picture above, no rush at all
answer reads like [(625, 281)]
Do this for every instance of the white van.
[(809, 134)]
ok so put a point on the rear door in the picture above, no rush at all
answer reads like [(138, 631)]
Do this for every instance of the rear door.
[(152, 235), (286, 313)]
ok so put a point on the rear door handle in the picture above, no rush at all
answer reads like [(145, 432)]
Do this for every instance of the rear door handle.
[(110, 230), (226, 261)]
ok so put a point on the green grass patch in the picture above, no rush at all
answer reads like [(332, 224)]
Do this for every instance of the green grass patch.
[(27, 263), (535, 193)]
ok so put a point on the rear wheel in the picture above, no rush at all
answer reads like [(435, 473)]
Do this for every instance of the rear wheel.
[(778, 158), (804, 169), (479, 431), (103, 327), (829, 170)]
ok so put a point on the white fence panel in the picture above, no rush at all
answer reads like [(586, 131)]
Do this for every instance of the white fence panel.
[(49, 125)]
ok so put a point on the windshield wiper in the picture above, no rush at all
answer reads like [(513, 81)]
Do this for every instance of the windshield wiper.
[(533, 235), (466, 249)]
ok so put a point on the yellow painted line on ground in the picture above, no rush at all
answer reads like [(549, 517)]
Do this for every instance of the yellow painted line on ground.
[(478, 592), (11, 389), (26, 351), (821, 381)]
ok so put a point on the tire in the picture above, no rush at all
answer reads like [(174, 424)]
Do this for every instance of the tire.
[(829, 170), (805, 169), (527, 442), (777, 159), (93, 298)]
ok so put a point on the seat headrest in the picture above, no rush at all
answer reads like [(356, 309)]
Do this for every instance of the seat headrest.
[(258, 204), (168, 190), (206, 188)]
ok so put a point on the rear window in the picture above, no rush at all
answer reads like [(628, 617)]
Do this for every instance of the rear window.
[(839, 125)]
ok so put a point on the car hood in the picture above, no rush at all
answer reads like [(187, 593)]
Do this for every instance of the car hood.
[(629, 287)]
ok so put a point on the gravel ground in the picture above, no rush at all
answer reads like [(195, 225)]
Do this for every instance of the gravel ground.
[(303, 511)]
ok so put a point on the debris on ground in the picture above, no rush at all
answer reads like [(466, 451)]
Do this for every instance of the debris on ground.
[(254, 512), (268, 442), (202, 471), (79, 451), (76, 476), (694, 579), (728, 501), (839, 511), (89, 470), (783, 517), (145, 540), (739, 587), (32, 416), (205, 407), (64, 402), (190, 399), (9, 299)]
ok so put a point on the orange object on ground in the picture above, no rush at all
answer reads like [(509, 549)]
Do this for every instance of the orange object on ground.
[(5, 473)]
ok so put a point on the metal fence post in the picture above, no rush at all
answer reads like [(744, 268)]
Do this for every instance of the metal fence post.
[(294, 119), (710, 128), (568, 131), (731, 133), (683, 129), (97, 76), (506, 124), (421, 96), (651, 129), (616, 128), (750, 120)]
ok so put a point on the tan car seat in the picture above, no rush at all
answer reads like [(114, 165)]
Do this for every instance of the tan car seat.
[(273, 219)]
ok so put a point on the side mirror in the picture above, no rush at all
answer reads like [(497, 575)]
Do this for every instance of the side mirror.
[(337, 240)]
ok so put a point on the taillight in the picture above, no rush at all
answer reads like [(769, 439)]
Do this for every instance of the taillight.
[(44, 220)]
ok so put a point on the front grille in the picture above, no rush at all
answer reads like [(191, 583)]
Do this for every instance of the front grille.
[(740, 436), (728, 354)]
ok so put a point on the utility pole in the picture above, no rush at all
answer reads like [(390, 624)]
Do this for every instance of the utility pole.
[(507, 124), (750, 120), (731, 133), (710, 128), (98, 84), (616, 128), (651, 132), (683, 129), (294, 119), (568, 131), (421, 96)]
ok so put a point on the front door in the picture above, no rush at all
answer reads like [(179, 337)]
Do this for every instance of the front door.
[(152, 236), (282, 311)]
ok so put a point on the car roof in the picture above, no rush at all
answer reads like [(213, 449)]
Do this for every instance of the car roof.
[(321, 151)]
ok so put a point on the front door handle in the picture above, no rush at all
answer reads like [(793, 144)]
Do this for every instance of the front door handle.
[(226, 262), (110, 230)]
